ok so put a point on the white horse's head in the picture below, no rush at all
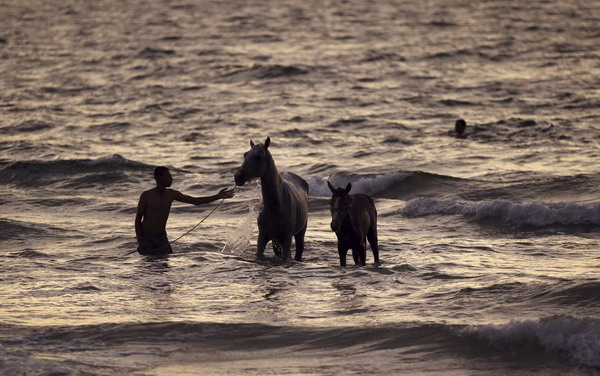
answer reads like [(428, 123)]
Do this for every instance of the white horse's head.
[(339, 204), (256, 161)]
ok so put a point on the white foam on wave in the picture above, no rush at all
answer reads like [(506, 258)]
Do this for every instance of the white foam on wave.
[(578, 338), (533, 214), (369, 185), (113, 160)]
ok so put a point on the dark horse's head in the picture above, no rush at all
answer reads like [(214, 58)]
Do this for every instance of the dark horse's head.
[(340, 203), (255, 163)]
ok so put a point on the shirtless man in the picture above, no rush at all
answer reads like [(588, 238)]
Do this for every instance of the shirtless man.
[(153, 211)]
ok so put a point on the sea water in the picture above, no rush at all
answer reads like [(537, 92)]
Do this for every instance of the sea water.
[(489, 244)]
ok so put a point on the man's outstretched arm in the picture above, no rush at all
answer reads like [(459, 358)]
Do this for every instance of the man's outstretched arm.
[(223, 193)]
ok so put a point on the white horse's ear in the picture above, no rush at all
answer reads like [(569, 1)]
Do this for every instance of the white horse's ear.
[(267, 142), (251, 144), (330, 187), (348, 187)]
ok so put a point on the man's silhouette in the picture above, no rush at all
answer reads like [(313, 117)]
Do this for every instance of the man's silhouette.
[(153, 211)]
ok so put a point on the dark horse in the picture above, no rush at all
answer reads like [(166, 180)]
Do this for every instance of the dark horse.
[(354, 218), (284, 209)]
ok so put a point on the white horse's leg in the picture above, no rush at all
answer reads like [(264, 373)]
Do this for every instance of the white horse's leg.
[(286, 245), (261, 243), (342, 251)]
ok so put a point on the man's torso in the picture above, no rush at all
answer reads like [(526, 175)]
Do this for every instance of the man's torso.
[(158, 206)]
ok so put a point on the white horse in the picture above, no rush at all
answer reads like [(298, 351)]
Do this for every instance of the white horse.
[(284, 209)]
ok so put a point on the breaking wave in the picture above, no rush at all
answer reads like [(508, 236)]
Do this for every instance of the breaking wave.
[(527, 214), (39, 173), (578, 338), (575, 340), (398, 185)]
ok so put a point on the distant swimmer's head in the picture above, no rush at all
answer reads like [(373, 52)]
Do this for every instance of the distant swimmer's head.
[(460, 126), (163, 177)]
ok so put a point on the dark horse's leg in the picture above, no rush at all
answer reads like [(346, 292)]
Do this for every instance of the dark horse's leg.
[(361, 250), (276, 248), (372, 237), (299, 239), (342, 251), (261, 243)]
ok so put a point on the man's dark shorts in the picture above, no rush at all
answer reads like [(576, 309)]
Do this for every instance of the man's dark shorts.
[(155, 244)]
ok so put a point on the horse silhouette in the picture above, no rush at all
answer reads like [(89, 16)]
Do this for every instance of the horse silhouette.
[(284, 207), (354, 219)]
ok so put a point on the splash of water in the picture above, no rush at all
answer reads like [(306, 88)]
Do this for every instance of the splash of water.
[(239, 240)]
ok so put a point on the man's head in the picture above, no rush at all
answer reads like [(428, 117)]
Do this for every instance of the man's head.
[(163, 177)]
